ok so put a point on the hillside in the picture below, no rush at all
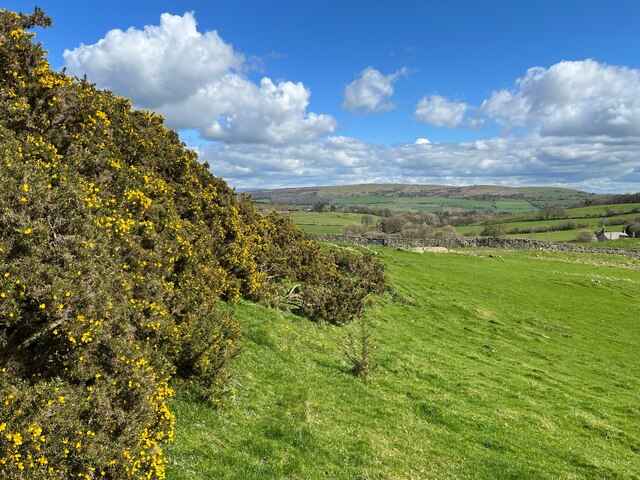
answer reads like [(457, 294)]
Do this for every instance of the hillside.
[(548, 224), (431, 198), (492, 364), (566, 224)]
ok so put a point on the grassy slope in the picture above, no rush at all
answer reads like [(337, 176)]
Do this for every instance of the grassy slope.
[(557, 398), (431, 198), (436, 204), (585, 212)]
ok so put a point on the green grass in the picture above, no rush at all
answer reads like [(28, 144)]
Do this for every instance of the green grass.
[(492, 365), (589, 216), (556, 236), (436, 204), (623, 210), (430, 198), (327, 222), (626, 243), (598, 210)]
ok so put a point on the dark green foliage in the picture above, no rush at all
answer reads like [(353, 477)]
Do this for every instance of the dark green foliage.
[(323, 286), (549, 227), (391, 224), (319, 207), (494, 230), (633, 229)]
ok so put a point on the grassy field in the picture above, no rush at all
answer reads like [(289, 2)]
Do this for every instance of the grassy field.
[(327, 222), (599, 210), (627, 210), (626, 243), (491, 365), (561, 235), (429, 198), (615, 217), (334, 222), (438, 204)]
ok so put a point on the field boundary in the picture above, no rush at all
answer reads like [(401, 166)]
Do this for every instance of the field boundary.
[(487, 242)]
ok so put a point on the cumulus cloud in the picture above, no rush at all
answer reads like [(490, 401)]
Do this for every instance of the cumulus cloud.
[(440, 112), (603, 165), (578, 98), (371, 91), (576, 124), (234, 109), (196, 80)]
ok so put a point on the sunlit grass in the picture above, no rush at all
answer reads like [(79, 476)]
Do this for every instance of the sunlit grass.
[(492, 364)]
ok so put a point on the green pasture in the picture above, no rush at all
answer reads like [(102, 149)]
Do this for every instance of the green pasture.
[(492, 364), (557, 236), (437, 204), (600, 210), (626, 243), (327, 222), (611, 211)]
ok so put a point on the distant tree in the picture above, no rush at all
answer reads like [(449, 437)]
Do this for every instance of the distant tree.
[(367, 220), (391, 224), (498, 229), (418, 231), (446, 232), (358, 230), (586, 236), (318, 207), (548, 213), (633, 229)]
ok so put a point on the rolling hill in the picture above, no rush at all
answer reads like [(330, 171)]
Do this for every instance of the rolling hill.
[(431, 198)]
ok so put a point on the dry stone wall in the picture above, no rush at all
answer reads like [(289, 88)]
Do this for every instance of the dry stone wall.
[(487, 242)]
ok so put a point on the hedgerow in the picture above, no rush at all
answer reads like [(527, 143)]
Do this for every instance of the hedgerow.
[(118, 255)]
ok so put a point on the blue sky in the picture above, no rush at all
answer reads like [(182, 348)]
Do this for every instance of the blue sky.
[(303, 93)]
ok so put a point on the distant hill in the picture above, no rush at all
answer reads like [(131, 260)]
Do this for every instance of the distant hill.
[(434, 198)]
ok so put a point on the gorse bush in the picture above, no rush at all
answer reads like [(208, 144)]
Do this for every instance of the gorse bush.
[(118, 255), (358, 350), (325, 286)]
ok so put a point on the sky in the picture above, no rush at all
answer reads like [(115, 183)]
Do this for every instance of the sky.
[(292, 93)]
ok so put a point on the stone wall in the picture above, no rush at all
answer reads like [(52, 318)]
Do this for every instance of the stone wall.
[(488, 242)]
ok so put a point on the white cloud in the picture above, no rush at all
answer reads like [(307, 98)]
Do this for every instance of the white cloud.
[(157, 64), (603, 165), (440, 112), (196, 80), (580, 121), (371, 91), (234, 109), (579, 98)]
